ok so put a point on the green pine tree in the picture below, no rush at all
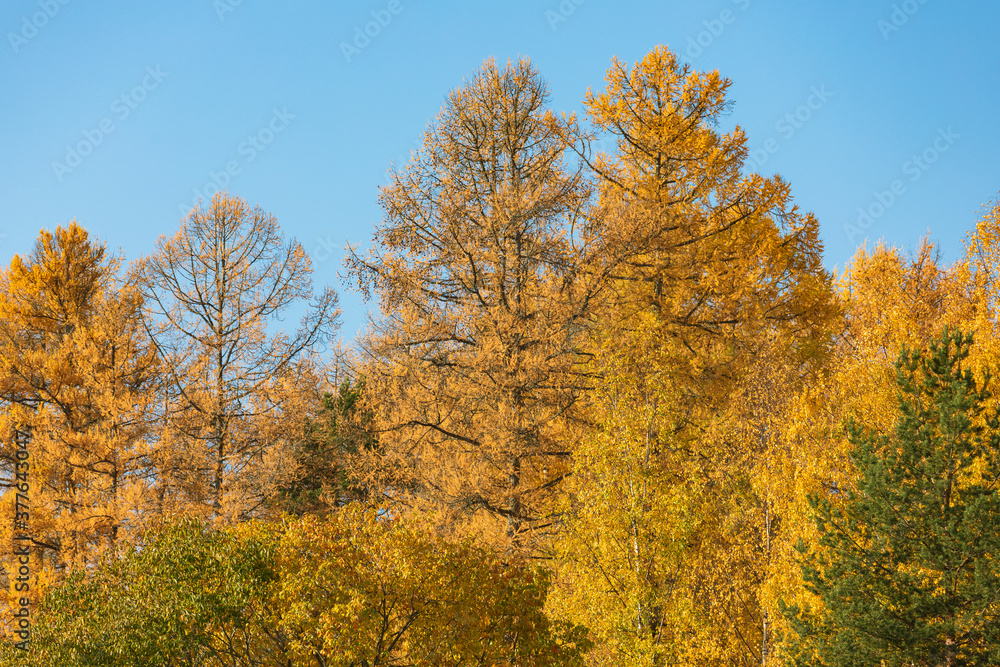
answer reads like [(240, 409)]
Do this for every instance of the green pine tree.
[(909, 561), (341, 428)]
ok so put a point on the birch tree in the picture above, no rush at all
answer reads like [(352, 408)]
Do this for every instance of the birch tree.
[(717, 308)]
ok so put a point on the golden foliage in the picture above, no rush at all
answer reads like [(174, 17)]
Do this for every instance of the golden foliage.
[(632, 363), (77, 376), (720, 308), (473, 366), (212, 290)]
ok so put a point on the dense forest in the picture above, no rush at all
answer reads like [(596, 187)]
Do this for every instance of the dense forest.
[(612, 410)]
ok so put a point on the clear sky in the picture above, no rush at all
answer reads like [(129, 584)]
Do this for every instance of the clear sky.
[(120, 113)]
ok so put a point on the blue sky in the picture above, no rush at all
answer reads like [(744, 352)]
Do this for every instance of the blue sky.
[(879, 107)]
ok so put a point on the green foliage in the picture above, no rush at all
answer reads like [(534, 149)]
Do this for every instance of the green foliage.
[(357, 588), (907, 566), (360, 588), (330, 440), (187, 596)]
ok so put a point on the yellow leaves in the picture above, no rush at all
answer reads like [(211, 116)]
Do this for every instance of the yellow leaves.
[(213, 291), (722, 259), (364, 586), (719, 306), (981, 271), (628, 516), (76, 378), (474, 362), (659, 110), (63, 273)]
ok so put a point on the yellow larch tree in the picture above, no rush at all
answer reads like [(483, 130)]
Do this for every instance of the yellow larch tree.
[(473, 366), (214, 291), (78, 385)]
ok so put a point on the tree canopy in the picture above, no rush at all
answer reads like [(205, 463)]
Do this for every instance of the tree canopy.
[(611, 410)]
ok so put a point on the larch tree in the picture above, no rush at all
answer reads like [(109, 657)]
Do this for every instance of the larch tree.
[(718, 306), (721, 258), (78, 386), (213, 290), (474, 363)]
